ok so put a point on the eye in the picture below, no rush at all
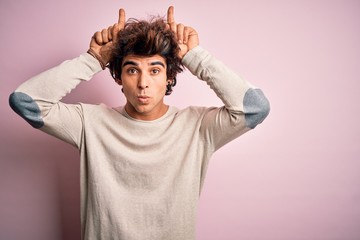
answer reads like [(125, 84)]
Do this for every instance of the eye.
[(132, 71), (155, 71)]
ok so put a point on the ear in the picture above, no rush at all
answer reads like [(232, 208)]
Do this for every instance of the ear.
[(169, 81)]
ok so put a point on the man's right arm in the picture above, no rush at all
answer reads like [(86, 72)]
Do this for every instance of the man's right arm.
[(38, 99)]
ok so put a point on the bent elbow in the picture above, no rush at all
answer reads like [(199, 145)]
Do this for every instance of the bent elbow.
[(26, 108), (256, 107)]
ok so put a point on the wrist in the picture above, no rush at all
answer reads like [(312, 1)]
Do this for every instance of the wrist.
[(92, 53)]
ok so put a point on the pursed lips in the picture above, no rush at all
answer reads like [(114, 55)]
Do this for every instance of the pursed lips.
[(143, 98)]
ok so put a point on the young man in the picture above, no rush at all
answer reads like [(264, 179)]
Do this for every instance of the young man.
[(142, 164)]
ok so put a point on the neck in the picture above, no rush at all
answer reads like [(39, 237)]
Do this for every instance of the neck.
[(144, 115)]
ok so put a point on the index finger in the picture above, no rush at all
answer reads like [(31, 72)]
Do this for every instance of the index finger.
[(170, 15), (121, 20)]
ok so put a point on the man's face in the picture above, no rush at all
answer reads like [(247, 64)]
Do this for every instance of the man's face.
[(144, 83)]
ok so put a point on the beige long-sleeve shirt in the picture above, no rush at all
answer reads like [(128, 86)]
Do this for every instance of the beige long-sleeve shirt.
[(141, 179)]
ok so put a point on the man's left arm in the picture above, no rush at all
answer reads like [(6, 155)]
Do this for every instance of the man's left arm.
[(245, 106), (237, 94)]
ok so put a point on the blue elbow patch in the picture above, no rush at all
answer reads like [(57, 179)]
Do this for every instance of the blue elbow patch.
[(256, 107), (27, 108)]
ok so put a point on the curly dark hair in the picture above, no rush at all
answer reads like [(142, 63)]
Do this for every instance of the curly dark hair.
[(147, 38)]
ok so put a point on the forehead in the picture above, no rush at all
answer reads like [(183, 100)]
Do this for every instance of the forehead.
[(144, 60)]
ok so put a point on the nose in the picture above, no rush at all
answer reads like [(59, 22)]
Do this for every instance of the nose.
[(143, 81)]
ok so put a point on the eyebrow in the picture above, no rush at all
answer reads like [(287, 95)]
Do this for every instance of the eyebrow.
[(136, 64), (157, 63), (130, 63)]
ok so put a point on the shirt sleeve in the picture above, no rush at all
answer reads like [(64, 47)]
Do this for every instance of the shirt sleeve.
[(38, 99), (245, 106)]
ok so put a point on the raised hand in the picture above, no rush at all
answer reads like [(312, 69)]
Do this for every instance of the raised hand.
[(101, 43), (187, 36)]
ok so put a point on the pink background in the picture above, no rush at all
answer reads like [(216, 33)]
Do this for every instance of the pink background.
[(296, 177)]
